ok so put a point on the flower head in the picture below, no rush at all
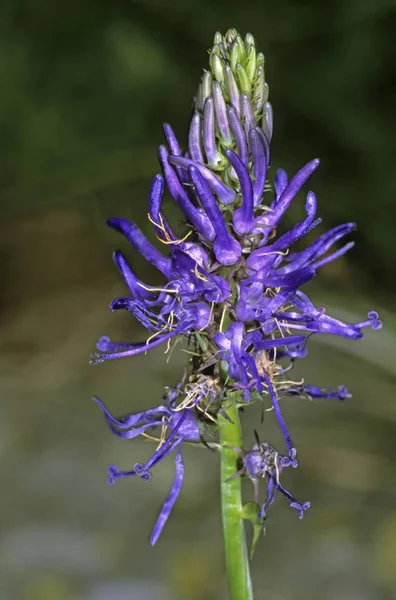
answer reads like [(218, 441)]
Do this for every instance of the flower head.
[(233, 283)]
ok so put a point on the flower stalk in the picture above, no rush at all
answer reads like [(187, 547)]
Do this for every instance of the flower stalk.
[(235, 548)]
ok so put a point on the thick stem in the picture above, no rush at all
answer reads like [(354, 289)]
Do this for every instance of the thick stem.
[(236, 556)]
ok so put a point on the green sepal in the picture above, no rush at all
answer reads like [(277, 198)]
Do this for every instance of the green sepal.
[(237, 396), (216, 64), (255, 396), (241, 46), (202, 342), (218, 38), (260, 60), (206, 86), (249, 39), (250, 66), (243, 80), (260, 93), (250, 511), (237, 55)]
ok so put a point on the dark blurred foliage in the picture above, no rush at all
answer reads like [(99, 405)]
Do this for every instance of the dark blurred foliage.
[(85, 87)]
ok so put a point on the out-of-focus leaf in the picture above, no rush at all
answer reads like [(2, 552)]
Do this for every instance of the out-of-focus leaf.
[(250, 511)]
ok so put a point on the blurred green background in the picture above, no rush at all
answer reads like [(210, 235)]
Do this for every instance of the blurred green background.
[(85, 89)]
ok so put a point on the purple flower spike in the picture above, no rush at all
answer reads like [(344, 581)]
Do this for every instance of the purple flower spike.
[(227, 250), (194, 139), (231, 286), (209, 135), (243, 216)]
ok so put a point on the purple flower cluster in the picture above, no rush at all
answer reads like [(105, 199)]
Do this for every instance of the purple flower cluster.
[(176, 427), (263, 461), (232, 284)]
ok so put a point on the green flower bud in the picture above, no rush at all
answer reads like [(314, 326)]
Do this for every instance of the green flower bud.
[(216, 64), (235, 80), (251, 62), (244, 83)]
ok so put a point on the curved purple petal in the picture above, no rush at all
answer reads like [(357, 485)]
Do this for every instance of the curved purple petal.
[(209, 134), (193, 214), (109, 350), (194, 140), (225, 194), (153, 415), (130, 278), (158, 221), (260, 156), (227, 250), (280, 183), (171, 139), (278, 413), (221, 113), (247, 114), (243, 216), (239, 134), (139, 241), (171, 499), (279, 342), (268, 121), (289, 193), (232, 88)]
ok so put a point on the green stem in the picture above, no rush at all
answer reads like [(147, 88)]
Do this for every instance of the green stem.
[(236, 556)]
